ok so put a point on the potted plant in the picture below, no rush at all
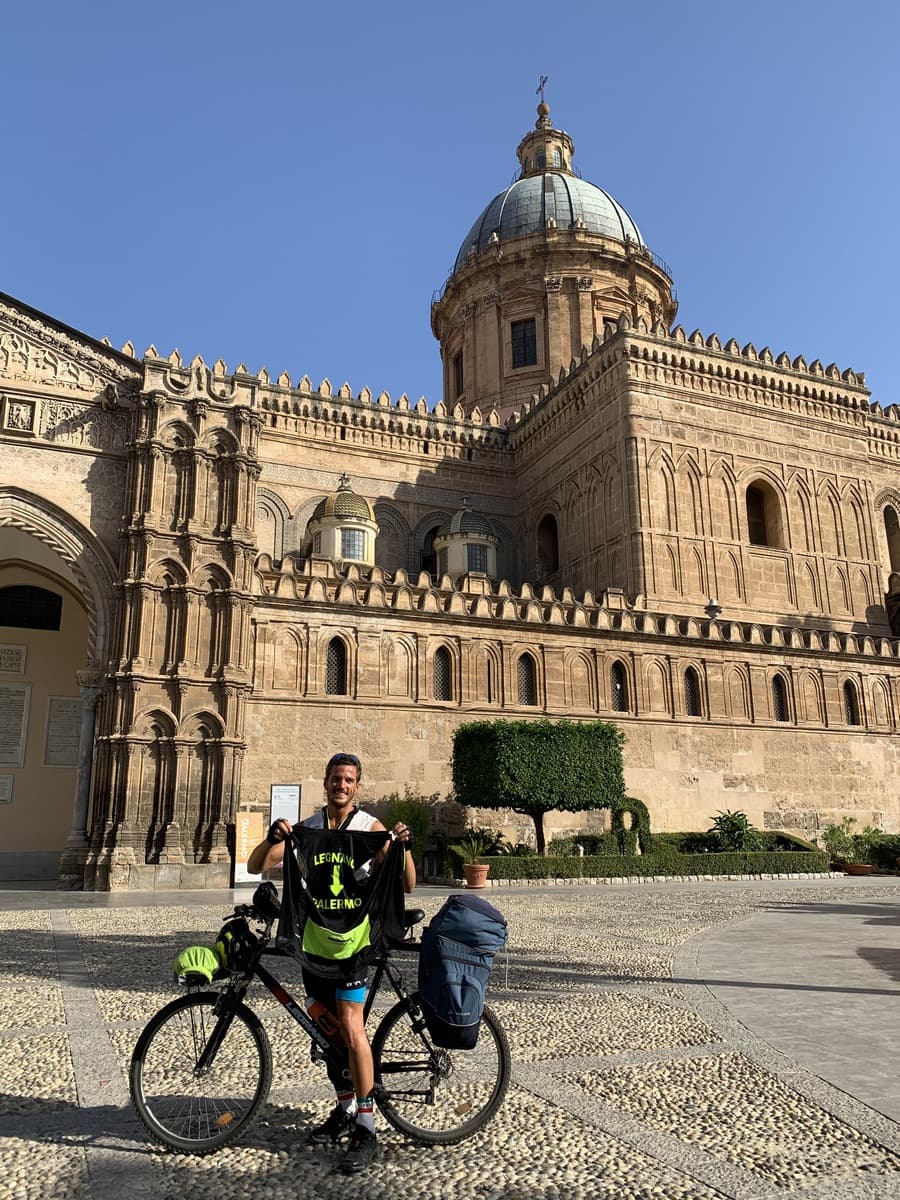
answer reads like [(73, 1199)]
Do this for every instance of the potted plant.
[(472, 849), (847, 849)]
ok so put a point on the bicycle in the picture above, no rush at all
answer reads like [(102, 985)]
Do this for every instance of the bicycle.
[(202, 1067)]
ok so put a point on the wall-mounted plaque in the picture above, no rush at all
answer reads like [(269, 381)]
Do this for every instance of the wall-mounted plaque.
[(63, 731), (12, 659), (14, 699), (6, 786), (19, 416)]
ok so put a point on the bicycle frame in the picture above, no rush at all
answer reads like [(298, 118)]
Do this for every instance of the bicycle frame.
[(236, 990)]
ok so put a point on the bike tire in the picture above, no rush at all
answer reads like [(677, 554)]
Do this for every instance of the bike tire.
[(197, 1114), (433, 1095)]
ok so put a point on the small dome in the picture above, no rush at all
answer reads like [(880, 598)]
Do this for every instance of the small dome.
[(344, 503), (466, 522), (559, 197)]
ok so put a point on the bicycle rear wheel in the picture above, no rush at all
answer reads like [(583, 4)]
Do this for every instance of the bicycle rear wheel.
[(438, 1096), (192, 1110)]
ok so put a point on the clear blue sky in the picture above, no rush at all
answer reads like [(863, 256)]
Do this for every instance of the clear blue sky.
[(286, 184)]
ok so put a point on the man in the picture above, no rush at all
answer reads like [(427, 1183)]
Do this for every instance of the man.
[(353, 1112)]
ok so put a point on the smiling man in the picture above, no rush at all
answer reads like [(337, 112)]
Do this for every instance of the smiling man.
[(344, 997)]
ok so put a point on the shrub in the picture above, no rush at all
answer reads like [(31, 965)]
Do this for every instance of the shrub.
[(411, 808), (734, 831), (619, 866), (628, 840)]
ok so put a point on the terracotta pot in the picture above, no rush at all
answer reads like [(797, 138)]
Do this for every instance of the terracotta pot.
[(858, 869), (475, 874)]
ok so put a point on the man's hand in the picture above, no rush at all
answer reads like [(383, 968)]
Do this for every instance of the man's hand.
[(278, 831), (402, 833)]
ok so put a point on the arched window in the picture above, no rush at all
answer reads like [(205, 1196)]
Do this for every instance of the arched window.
[(779, 698), (336, 668), (691, 693), (429, 558), (548, 546), (851, 704), (527, 679), (490, 680), (764, 523), (26, 607), (618, 686), (892, 531), (443, 678)]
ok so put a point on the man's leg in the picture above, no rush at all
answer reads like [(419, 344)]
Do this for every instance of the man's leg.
[(339, 1122), (363, 1143)]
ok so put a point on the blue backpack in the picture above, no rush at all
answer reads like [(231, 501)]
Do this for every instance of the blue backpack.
[(458, 948)]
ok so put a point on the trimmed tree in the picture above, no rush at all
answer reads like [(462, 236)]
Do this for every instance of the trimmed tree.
[(536, 767)]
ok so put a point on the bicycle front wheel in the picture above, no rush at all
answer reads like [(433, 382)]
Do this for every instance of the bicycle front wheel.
[(192, 1109), (438, 1096)]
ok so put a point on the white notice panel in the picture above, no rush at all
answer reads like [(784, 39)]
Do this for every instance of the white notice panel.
[(285, 802), (14, 699)]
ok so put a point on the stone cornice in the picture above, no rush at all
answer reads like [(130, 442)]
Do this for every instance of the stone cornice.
[(49, 352)]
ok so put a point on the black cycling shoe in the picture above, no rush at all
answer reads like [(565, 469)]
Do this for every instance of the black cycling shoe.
[(336, 1125), (361, 1152)]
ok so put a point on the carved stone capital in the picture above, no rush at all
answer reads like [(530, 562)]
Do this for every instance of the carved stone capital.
[(553, 283)]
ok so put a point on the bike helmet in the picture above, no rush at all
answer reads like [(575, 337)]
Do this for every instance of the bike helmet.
[(235, 944), (195, 966)]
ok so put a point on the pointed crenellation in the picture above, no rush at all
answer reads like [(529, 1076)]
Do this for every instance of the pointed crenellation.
[(373, 587)]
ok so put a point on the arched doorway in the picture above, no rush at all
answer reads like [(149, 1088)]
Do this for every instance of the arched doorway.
[(56, 601)]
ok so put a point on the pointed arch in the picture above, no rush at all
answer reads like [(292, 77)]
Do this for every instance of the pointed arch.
[(723, 493), (656, 686), (580, 682), (663, 508), (737, 692), (812, 698)]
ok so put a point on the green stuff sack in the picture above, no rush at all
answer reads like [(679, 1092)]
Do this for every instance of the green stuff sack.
[(195, 966)]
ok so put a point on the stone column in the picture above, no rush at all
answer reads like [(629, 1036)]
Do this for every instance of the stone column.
[(75, 851)]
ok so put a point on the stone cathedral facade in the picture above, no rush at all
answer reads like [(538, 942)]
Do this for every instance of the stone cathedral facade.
[(211, 580)]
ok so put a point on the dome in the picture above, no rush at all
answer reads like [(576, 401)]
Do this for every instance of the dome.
[(344, 504), (562, 198), (466, 522)]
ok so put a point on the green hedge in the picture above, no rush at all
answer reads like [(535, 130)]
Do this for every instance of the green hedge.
[(617, 866)]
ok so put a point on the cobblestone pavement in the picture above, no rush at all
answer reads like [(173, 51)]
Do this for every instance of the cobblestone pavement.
[(673, 1041)]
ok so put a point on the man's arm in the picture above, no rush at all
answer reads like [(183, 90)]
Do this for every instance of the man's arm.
[(402, 834), (270, 851)]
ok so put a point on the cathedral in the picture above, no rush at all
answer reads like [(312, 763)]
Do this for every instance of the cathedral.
[(212, 580)]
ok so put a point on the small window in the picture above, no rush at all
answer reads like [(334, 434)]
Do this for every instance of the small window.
[(764, 525), (443, 685), (524, 343), (892, 532), (25, 607), (851, 704), (541, 160), (618, 682), (547, 546), (442, 562), (459, 382), (527, 680), (490, 680), (429, 557), (557, 157), (353, 543), (336, 668), (317, 544), (691, 693), (779, 699), (476, 558)]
